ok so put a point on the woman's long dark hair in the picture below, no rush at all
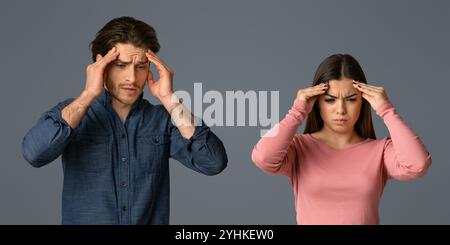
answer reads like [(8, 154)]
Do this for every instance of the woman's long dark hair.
[(336, 67)]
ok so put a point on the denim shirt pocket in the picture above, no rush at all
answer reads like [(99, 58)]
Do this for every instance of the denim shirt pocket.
[(88, 153), (152, 150)]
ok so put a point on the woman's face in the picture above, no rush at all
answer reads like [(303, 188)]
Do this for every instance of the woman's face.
[(340, 106)]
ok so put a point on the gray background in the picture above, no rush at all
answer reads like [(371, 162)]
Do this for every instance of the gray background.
[(230, 45)]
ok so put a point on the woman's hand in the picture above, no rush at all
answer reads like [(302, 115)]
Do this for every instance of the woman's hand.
[(309, 95), (376, 96)]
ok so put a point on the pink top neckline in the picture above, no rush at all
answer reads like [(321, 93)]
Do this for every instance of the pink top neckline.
[(335, 149)]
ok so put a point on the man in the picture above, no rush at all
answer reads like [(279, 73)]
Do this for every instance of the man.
[(115, 145)]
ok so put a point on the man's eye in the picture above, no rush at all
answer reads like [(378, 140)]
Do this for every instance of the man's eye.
[(141, 67)]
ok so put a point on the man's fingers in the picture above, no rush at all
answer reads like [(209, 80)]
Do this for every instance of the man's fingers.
[(157, 60), (150, 80), (110, 56), (150, 75), (160, 67)]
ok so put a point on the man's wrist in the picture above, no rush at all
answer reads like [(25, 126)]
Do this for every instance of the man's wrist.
[(170, 102), (86, 97)]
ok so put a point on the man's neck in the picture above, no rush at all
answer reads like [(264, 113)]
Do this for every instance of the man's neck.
[(121, 109)]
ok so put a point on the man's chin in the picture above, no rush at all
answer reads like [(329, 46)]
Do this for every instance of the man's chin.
[(125, 99), (128, 100)]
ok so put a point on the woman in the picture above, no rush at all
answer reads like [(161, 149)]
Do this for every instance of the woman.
[(337, 168)]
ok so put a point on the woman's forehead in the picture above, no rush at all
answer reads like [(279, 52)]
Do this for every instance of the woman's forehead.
[(343, 87)]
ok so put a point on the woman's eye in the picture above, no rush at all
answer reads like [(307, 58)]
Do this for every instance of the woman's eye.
[(329, 100), (141, 67), (352, 100), (120, 65)]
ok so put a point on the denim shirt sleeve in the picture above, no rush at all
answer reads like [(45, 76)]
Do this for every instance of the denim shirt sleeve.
[(46, 140), (203, 152)]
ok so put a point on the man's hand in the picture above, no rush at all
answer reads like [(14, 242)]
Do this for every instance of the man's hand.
[(95, 80), (96, 75), (162, 89)]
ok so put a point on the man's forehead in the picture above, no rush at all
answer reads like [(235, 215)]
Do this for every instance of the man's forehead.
[(132, 58), (130, 53)]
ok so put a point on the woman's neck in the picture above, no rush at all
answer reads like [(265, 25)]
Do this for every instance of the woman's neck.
[(337, 140)]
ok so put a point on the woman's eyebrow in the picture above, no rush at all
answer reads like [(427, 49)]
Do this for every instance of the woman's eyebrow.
[(346, 97)]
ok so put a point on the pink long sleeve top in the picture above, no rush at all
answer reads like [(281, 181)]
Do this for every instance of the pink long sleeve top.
[(344, 186)]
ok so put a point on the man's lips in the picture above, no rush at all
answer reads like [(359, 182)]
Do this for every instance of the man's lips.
[(130, 90)]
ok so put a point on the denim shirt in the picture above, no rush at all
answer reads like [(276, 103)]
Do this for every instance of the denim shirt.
[(114, 172)]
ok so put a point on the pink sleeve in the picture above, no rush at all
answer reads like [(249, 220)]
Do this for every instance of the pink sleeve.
[(275, 152), (405, 156)]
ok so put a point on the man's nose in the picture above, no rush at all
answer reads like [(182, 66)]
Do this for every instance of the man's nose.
[(131, 74)]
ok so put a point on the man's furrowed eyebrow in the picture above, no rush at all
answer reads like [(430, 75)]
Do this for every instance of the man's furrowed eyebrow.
[(129, 62)]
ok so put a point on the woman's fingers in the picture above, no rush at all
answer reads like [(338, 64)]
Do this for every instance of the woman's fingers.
[(365, 89), (311, 92), (367, 97), (368, 86), (318, 89)]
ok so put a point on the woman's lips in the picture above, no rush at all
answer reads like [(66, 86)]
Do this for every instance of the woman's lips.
[(340, 121)]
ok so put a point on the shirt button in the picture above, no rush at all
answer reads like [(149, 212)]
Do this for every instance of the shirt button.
[(124, 159), (124, 208), (123, 184)]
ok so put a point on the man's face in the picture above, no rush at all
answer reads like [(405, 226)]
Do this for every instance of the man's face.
[(126, 76)]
